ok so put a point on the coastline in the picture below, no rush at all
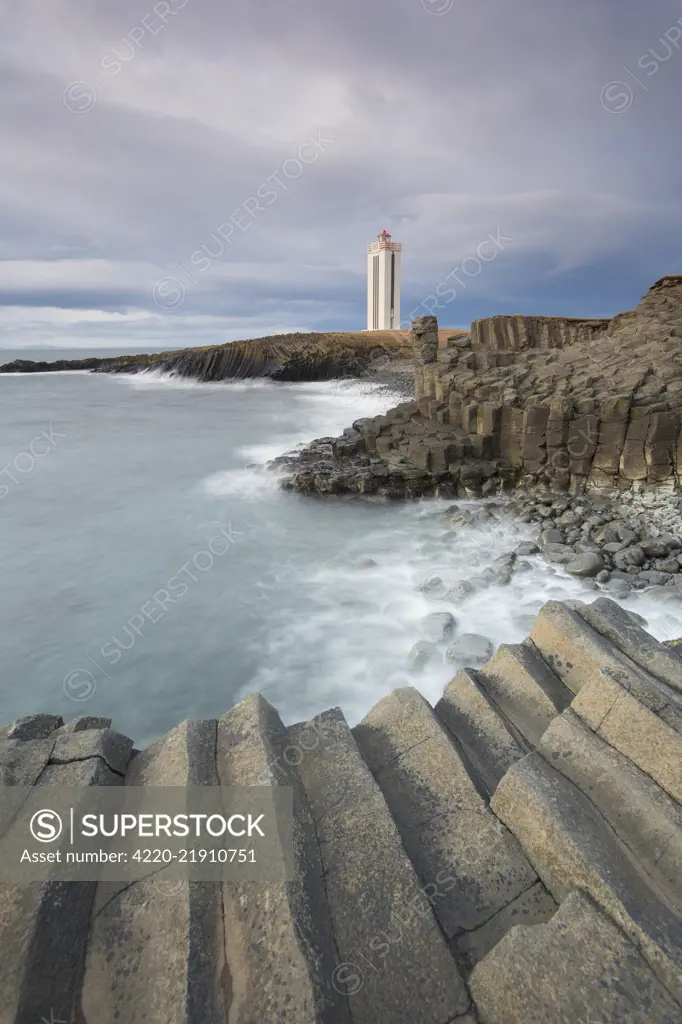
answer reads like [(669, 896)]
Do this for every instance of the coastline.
[(523, 803)]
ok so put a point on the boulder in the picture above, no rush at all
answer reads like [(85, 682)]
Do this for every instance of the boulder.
[(632, 556), (606, 535), (654, 548), (626, 535), (550, 537), (470, 649), (438, 627), (561, 554), (421, 654), (667, 565), (654, 578), (583, 546), (588, 564)]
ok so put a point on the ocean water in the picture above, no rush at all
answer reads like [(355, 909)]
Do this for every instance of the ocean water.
[(153, 572)]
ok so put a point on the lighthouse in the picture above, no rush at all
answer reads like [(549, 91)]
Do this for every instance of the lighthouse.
[(383, 283)]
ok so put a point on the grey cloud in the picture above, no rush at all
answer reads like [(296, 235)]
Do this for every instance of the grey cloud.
[(444, 128)]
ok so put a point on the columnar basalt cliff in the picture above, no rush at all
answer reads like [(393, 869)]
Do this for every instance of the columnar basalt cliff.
[(510, 856), (284, 357), (524, 401), (570, 403), (294, 357)]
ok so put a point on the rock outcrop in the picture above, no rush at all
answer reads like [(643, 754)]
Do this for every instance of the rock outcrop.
[(57, 365), (527, 402), (291, 357), (511, 856), (284, 357), (569, 403)]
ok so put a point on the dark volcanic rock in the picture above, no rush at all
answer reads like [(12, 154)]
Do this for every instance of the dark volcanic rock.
[(588, 564), (43, 366)]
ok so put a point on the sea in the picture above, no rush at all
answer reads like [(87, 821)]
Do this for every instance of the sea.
[(154, 570)]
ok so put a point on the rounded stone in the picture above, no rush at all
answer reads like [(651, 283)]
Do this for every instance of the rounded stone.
[(527, 547), (588, 564), (548, 537), (667, 565), (654, 578), (438, 627), (421, 654), (559, 553), (471, 650)]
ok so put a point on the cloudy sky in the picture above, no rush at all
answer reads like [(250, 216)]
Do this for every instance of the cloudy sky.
[(195, 171)]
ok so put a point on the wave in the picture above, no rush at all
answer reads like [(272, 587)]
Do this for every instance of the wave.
[(164, 379), (321, 413), (342, 632), (243, 483)]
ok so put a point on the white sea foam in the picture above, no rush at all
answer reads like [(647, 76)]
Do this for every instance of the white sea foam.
[(162, 379), (262, 453), (321, 414), (344, 635), (250, 484)]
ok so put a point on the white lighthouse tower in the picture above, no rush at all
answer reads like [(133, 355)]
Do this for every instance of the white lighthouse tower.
[(383, 283)]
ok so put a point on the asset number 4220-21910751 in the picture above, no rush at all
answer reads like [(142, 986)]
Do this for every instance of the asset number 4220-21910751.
[(195, 856)]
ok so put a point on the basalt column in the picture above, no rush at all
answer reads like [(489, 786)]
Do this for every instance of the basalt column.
[(425, 347)]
